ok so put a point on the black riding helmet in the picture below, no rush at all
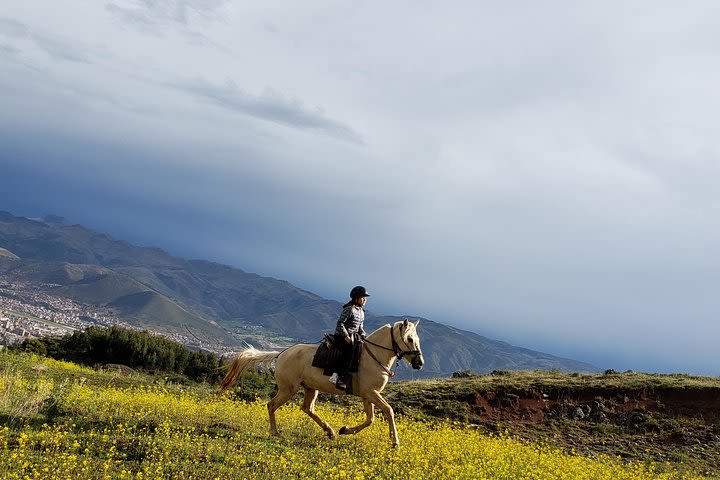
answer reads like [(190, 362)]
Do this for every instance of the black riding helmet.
[(358, 292)]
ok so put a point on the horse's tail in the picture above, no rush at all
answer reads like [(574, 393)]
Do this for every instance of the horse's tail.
[(245, 359)]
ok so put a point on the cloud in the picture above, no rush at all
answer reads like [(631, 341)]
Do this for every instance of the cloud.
[(146, 14), (159, 18), (62, 49), (547, 178), (58, 47), (136, 18), (12, 28), (8, 50), (270, 106)]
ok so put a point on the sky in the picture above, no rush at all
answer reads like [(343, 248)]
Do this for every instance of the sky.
[(543, 173)]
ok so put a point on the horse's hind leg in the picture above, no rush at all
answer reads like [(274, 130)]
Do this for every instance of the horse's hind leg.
[(309, 408), (369, 416), (284, 394)]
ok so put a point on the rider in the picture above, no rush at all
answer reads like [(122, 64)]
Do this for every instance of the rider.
[(350, 323)]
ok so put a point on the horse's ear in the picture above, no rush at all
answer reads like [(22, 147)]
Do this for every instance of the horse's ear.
[(405, 323), (417, 323)]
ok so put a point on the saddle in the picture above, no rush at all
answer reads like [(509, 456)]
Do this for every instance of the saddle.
[(334, 358)]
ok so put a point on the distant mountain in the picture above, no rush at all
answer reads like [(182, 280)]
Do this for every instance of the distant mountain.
[(149, 288), (8, 255)]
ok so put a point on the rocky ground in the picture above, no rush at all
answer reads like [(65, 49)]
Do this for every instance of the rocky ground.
[(638, 417), (661, 426)]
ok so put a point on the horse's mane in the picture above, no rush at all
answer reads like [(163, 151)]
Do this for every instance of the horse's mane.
[(387, 325)]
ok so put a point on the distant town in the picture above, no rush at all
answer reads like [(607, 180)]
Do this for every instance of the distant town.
[(30, 310)]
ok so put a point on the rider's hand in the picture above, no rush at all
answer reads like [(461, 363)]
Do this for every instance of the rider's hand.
[(348, 339)]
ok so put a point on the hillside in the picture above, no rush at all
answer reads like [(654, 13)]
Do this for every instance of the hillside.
[(8, 255), (149, 288), (653, 417), (126, 297), (67, 421)]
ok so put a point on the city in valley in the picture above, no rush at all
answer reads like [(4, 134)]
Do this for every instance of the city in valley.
[(29, 310)]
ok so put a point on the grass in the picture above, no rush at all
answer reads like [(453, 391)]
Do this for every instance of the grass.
[(77, 422), (453, 398), (681, 436), (555, 380)]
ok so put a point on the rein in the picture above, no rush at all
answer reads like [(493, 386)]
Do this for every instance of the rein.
[(399, 353), (389, 373)]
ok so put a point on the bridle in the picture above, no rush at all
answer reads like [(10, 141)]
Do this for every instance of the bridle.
[(399, 352)]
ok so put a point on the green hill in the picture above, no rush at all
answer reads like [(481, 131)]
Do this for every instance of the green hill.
[(154, 311), (102, 289)]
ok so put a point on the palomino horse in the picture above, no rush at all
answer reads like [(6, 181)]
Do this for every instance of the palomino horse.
[(293, 369)]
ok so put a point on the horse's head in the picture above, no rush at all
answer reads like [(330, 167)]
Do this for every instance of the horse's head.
[(409, 344)]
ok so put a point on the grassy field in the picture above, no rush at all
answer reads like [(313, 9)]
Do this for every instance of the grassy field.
[(61, 420), (663, 418)]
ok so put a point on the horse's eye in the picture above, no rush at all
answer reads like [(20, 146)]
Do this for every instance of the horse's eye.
[(411, 340)]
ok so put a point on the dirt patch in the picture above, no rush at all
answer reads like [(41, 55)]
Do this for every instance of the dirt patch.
[(596, 405), (672, 420), (663, 425)]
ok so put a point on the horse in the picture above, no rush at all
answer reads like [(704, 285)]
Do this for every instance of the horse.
[(293, 370)]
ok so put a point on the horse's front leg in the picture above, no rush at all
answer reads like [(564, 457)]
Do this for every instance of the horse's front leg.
[(383, 405), (369, 417)]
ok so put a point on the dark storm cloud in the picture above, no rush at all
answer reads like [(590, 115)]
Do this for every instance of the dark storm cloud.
[(135, 189), (270, 106)]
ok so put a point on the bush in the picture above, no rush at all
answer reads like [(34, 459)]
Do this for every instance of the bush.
[(141, 350)]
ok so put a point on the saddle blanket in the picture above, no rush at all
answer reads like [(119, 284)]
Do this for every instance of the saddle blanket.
[(333, 359)]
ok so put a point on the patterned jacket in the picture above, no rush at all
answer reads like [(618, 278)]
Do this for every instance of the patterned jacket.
[(350, 321)]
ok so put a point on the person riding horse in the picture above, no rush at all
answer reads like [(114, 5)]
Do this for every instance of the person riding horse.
[(293, 370), (349, 326)]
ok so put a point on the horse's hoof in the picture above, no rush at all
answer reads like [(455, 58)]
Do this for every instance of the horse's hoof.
[(343, 431), (331, 435), (395, 445)]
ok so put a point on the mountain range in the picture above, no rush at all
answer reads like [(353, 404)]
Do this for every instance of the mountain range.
[(149, 288)]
